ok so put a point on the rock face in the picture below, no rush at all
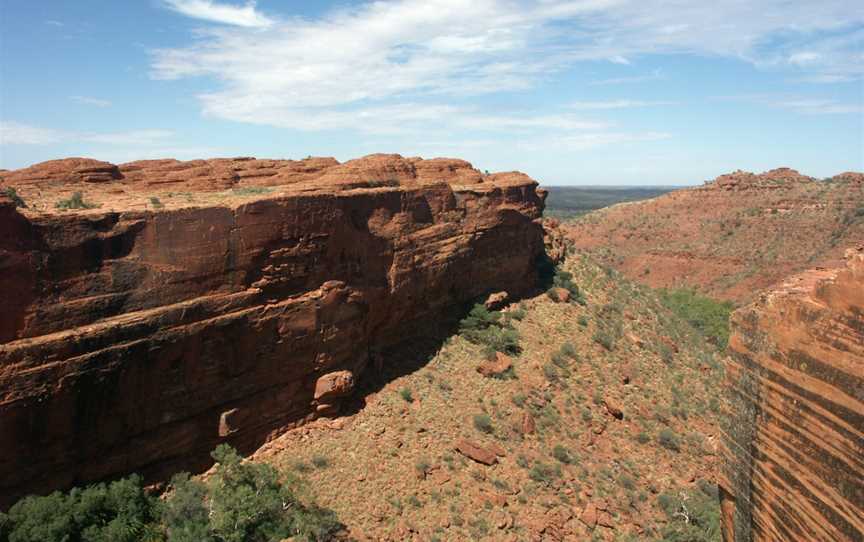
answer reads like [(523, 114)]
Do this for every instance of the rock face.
[(732, 237), (795, 439), (226, 300)]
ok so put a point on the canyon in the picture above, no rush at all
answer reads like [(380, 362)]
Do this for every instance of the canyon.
[(794, 433), (155, 309)]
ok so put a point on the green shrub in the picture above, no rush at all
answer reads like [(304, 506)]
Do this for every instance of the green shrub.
[(544, 473), (117, 512), (483, 423), (488, 328), (708, 316), (406, 395), (564, 279), (668, 440), (239, 502), (247, 502), (562, 454), (567, 349), (156, 203), (320, 461), (693, 517), (12, 194), (76, 201)]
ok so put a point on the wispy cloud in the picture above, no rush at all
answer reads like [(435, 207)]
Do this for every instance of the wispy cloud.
[(801, 105), (819, 107), (52, 22), (338, 69), (16, 133), (87, 100), (616, 104), (653, 76), (246, 15)]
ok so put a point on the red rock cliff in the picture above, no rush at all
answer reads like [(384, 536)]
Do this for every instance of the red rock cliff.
[(795, 460), (226, 300)]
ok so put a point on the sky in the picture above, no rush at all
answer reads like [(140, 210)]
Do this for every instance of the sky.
[(594, 92)]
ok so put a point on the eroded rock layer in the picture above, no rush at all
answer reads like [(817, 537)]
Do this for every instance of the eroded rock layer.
[(795, 460), (226, 300)]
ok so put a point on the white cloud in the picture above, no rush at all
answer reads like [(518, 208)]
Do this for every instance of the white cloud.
[(802, 105), (819, 107), (246, 15), (87, 100), (16, 133), (653, 76), (616, 104), (382, 57)]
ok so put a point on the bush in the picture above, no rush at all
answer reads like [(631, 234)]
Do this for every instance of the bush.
[(320, 461), (562, 454), (156, 203), (406, 395), (117, 512), (76, 201), (693, 517), (12, 194), (567, 349), (241, 501), (483, 423), (543, 473), (564, 279), (708, 316), (668, 440), (488, 328)]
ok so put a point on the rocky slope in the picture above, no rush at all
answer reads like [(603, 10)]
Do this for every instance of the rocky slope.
[(154, 309), (731, 237), (795, 436), (601, 428)]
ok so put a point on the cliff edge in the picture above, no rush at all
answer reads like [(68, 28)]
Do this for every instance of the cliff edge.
[(158, 308), (795, 436)]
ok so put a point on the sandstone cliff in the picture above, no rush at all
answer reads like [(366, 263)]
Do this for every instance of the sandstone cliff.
[(192, 303), (731, 237), (795, 462)]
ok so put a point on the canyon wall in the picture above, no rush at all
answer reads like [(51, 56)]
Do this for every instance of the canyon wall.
[(795, 436), (211, 301)]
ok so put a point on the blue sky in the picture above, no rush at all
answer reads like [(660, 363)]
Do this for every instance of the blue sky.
[(570, 92)]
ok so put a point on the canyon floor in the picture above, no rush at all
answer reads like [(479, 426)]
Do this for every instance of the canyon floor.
[(565, 466)]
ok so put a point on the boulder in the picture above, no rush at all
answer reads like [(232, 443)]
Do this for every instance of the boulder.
[(476, 452)]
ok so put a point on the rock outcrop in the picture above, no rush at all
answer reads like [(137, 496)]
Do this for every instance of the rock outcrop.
[(795, 436), (193, 303), (732, 237)]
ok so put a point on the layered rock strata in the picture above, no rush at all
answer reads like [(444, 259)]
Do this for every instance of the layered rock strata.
[(193, 303), (795, 437)]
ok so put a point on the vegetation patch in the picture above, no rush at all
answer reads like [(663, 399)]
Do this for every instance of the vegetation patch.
[(241, 501), (75, 201), (492, 329), (12, 194), (708, 316)]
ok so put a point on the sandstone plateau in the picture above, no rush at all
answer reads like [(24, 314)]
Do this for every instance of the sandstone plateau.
[(731, 237), (795, 433), (227, 300)]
